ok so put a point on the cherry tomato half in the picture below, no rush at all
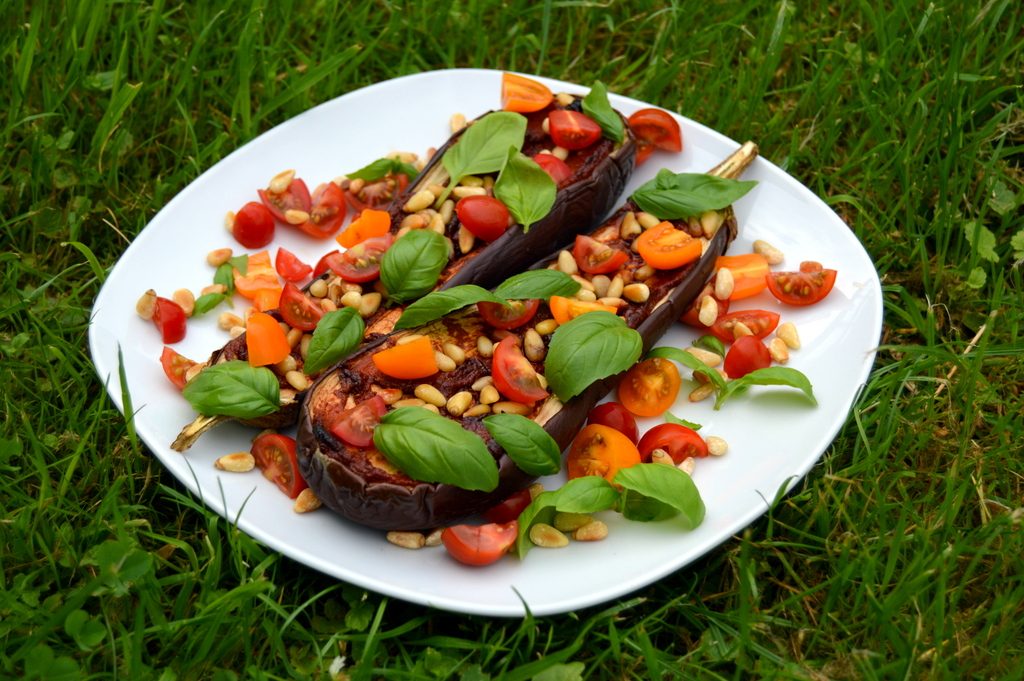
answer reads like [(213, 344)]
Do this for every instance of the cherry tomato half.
[(746, 354), (515, 315), (573, 130), (692, 315), (655, 129), (485, 216), (748, 271), (169, 319), (295, 197), (176, 366), (509, 509), (760, 322), (664, 247), (253, 226), (322, 265), (326, 213), (361, 263), (298, 309), (563, 309), (594, 257), (275, 457), (479, 544), (514, 376), (676, 440), (614, 415), (355, 426), (650, 387), (600, 450), (558, 169), (376, 194), (805, 287), (290, 267), (522, 94)]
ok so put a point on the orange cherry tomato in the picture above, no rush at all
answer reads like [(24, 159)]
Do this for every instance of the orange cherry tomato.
[(522, 94), (407, 361), (650, 387), (369, 224), (176, 366), (514, 376), (564, 309), (265, 340), (748, 272), (479, 544), (275, 457), (805, 287), (260, 283), (760, 322), (655, 129), (600, 450), (594, 257), (664, 247)]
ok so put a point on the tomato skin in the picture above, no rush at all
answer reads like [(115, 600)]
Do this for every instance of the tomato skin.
[(408, 361), (675, 439), (664, 247), (594, 257), (370, 223), (614, 415), (600, 450), (655, 129), (806, 287), (375, 194), (514, 376), (361, 263), (169, 319), (355, 426), (573, 130), (563, 309), (296, 197), (761, 322), (275, 457), (518, 313), (746, 354), (253, 226), (692, 315), (326, 213), (522, 94), (322, 265), (485, 216), (509, 509), (290, 267), (176, 366), (748, 270), (650, 387), (479, 544), (558, 169), (298, 309)]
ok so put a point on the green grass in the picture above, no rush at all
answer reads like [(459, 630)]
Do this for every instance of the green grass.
[(899, 557)]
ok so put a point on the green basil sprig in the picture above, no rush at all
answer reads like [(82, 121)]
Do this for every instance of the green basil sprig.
[(653, 491), (526, 443), (671, 196), (588, 494), (525, 188), (207, 302), (432, 448), (672, 418), (588, 348), (784, 376), (712, 343), (690, 362), (225, 276), (234, 389), (483, 147), (537, 284), (380, 168), (336, 335), (439, 303), (410, 268), (240, 263), (597, 106)]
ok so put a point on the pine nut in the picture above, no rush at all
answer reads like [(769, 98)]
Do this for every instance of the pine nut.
[(507, 407), (704, 246), (546, 327), (287, 396), (716, 445), (710, 222), (647, 220), (584, 283), (638, 293), (629, 227), (184, 298), (355, 186), (615, 287), (458, 403), (481, 382), (688, 465), (586, 295), (773, 255), (489, 395), (436, 223), (484, 346), (560, 153), (429, 394), (351, 299), (409, 338), (369, 304), (229, 221), (389, 395), (614, 302), (306, 502), (567, 522), (318, 289), (595, 530), (218, 257), (466, 239), (564, 99), (236, 331), (457, 122), (279, 183), (285, 365), (409, 402), (712, 359), (239, 462), (328, 305), (567, 263), (294, 216), (146, 305), (446, 210), (600, 283), (787, 332), (778, 350), (297, 380), (542, 380), (546, 126), (462, 192), (739, 329), (434, 538), (418, 201), (455, 352), (535, 489), (477, 410), (304, 345), (533, 346), (444, 362), (661, 456), (708, 310), (432, 408), (414, 221), (213, 288), (226, 320), (701, 392), (407, 540), (547, 537), (724, 283), (471, 181)]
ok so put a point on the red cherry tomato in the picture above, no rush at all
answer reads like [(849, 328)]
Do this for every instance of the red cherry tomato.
[(253, 226), (374, 194), (600, 450), (290, 267), (806, 287), (761, 322), (655, 129), (355, 426), (169, 319), (485, 216), (326, 213), (594, 257), (614, 415), (509, 509), (514, 376), (298, 309), (692, 315), (275, 457), (558, 169), (573, 130), (361, 263), (322, 264), (515, 315), (295, 197), (676, 440), (479, 544), (176, 366), (746, 354), (650, 387)]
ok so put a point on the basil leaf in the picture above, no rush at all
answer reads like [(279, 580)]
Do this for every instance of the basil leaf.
[(653, 491), (234, 389), (588, 348), (537, 284), (526, 443), (380, 168), (207, 302), (712, 343), (411, 266), (525, 188), (588, 494), (240, 263), (670, 196), (483, 147), (439, 303), (691, 362), (767, 376), (596, 105), (225, 277), (672, 418), (432, 448), (336, 335)]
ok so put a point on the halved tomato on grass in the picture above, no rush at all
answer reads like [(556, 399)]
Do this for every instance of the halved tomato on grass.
[(295, 197), (594, 257), (176, 366), (573, 130), (760, 322), (517, 313), (600, 450), (169, 319), (664, 247), (806, 287), (355, 426), (299, 310), (479, 544), (522, 94), (676, 440), (650, 387), (514, 376), (326, 213), (290, 267), (275, 457), (655, 129), (361, 263), (558, 169)]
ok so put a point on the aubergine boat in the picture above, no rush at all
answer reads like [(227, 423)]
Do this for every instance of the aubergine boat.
[(362, 485), (598, 175)]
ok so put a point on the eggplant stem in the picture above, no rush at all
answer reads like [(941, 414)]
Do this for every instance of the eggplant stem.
[(190, 433), (733, 167)]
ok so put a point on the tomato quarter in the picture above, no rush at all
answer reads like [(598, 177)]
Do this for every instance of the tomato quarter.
[(326, 213), (515, 315), (290, 267), (295, 197), (510, 508), (355, 426), (650, 387), (361, 194), (614, 415), (594, 257), (361, 263), (523, 95), (664, 247), (573, 130), (514, 376), (275, 457), (600, 450), (747, 354), (253, 226), (479, 544), (655, 129), (806, 287), (176, 366), (298, 309), (169, 319), (558, 169), (676, 440), (760, 322), (485, 216)]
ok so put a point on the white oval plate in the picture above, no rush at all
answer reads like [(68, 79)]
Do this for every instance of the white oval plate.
[(774, 435)]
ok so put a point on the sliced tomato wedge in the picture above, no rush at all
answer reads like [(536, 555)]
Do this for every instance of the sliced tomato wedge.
[(563, 309), (322, 265), (375, 194), (515, 315), (600, 450), (514, 376), (655, 129), (361, 263), (746, 354), (664, 247), (355, 426), (326, 213), (805, 287), (522, 94), (509, 509), (558, 169), (573, 130), (594, 257), (760, 322), (290, 267), (169, 319), (295, 197), (370, 223), (674, 439), (479, 544), (176, 366), (299, 310), (275, 457)]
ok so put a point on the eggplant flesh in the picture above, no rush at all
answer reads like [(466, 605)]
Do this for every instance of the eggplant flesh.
[(361, 485), (599, 174)]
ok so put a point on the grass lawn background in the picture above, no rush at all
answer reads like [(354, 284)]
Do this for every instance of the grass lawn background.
[(900, 556)]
